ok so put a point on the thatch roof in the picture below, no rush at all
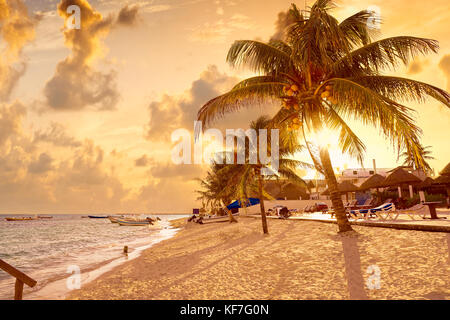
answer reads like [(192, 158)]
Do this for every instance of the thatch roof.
[(374, 181), (428, 182), (446, 170), (442, 180), (280, 189), (399, 177), (344, 187)]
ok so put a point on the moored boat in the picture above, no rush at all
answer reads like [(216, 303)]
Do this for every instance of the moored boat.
[(20, 219), (114, 219), (133, 222), (137, 222), (98, 217)]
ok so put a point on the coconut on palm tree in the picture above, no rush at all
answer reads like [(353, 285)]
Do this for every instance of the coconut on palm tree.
[(324, 72)]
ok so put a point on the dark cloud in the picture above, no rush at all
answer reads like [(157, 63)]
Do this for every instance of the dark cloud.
[(284, 20), (444, 65), (128, 15), (417, 66), (143, 161), (43, 164), (76, 85)]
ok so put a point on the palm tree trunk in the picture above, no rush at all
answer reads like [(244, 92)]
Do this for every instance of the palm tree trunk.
[(261, 203), (336, 199), (230, 216)]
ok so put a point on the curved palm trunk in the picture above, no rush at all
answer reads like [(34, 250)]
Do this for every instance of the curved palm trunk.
[(261, 203), (230, 216), (336, 199)]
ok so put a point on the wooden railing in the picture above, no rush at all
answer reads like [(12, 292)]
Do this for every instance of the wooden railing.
[(21, 278)]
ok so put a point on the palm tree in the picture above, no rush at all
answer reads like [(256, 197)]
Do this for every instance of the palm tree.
[(217, 191), (243, 180), (324, 72), (408, 158)]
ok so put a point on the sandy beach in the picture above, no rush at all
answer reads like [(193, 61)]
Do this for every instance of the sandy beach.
[(297, 260)]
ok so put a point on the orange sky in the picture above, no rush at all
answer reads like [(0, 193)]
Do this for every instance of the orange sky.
[(85, 120)]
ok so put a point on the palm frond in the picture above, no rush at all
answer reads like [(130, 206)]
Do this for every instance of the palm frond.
[(348, 140), (234, 100), (294, 164), (291, 176), (369, 107), (397, 88), (383, 54), (259, 57), (261, 80), (356, 27)]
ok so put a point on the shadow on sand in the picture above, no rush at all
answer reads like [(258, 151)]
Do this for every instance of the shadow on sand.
[(355, 280)]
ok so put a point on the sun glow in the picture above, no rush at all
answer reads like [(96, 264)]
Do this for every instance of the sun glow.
[(328, 139), (324, 138)]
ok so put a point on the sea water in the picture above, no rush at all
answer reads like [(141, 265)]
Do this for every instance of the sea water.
[(49, 250)]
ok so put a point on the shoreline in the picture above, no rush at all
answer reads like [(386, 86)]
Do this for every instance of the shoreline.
[(235, 261), (56, 288)]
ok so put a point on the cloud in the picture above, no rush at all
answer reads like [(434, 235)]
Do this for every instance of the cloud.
[(17, 29), (284, 20), (143, 161), (221, 29), (417, 66), (56, 134), (11, 118), (76, 84), (173, 112), (170, 170), (35, 176), (444, 65), (128, 15), (41, 165)]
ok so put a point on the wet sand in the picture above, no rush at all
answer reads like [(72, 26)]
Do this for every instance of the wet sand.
[(298, 260)]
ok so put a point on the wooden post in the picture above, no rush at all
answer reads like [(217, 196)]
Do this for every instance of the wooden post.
[(18, 290), (21, 279)]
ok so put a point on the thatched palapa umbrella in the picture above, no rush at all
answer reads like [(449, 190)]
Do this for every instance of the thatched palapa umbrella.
[(446, 170), (373, 182), (398, 177), (428, 182), (344, 187), (444, 180)]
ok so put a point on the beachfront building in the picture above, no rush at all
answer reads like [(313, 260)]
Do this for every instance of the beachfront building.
[(359, 175)]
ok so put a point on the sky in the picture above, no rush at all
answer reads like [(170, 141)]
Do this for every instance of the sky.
[(86, 117)]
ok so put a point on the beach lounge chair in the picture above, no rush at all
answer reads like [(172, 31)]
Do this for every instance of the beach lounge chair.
[(378, 211), (351, 204), (366, 205), (385, 212), (417, 210)]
